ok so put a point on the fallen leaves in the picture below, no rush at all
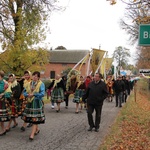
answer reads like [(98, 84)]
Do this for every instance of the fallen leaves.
[(131, 131)]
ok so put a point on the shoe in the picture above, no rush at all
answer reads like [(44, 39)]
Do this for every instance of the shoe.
[(31, 139), (76, 112), (58, 110), (7, 130), (22, 128), (3, 133), (29, 125), (120, 106), (96, 130), (37, 132), (66, 107), (90, 129), (52, 107), (15, 125)]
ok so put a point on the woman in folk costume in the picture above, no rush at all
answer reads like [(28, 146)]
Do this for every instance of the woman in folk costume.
[(109, 84), (79, 93), (71, 84), (14, 100), (57, 94), (23, 83), (34, 91), (5, 92)]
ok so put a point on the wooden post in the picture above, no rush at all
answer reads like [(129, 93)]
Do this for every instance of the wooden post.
[(135, 89)]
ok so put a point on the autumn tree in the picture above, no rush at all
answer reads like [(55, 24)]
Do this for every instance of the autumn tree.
[(121, 55), (137, 12), (143, 57), (22, 26)]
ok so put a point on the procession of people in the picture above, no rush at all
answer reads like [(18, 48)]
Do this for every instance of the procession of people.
[(24, 97)]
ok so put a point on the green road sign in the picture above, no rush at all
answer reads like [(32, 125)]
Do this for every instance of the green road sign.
[(144, 35)]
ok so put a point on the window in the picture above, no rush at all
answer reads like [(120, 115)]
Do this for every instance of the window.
[(52, 74)]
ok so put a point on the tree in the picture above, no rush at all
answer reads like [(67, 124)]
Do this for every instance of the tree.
[(136, 13), (28, 60), (60, 47), (22, 26), (143, 57), (131, 2), (121, 55)]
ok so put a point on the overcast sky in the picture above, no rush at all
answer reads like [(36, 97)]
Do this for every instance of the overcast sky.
[(87, 24)]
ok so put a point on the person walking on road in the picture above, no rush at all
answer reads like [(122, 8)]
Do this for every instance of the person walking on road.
[(14, 101), (80, 90), (119, 88), (23, 82), (57, 94), (95, 95), (34, 111), (5, 93)]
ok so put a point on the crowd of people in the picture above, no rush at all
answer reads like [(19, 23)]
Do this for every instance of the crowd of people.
[(24, 97)]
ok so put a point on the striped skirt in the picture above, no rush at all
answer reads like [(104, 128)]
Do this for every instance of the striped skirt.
[(34, 112), (4, 110), (57, 95), (78, 95)]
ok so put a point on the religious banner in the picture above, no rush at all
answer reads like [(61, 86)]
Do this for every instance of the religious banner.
[(106, 65), (97, 57)]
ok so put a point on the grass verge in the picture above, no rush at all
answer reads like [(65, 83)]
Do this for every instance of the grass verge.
[(131, 130)]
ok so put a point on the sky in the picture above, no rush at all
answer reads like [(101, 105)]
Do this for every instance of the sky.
[(87, 24)]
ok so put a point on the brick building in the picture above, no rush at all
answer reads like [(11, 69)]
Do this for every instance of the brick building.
[(60, 60)]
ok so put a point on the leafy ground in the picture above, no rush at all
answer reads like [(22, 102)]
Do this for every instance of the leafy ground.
[(131, 130)]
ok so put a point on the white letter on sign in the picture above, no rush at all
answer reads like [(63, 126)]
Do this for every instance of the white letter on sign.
[(145, 34)]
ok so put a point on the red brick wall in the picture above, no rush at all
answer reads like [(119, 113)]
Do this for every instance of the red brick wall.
[(58, 68)]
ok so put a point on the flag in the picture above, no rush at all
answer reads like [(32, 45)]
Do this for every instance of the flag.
[(106, 65), (97, 57)]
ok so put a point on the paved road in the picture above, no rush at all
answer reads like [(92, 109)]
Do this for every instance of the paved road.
[(62, 131)]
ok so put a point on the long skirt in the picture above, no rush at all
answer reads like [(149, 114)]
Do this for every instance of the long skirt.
[(34, 112), (57, 95), (78, 96), (4, 110), (21, 104), (15, 105)]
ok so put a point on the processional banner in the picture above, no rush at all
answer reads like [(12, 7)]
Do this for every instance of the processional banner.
[(97, 57), (106, 65)]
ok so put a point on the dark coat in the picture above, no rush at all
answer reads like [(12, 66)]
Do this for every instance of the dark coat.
[(59, 85), (16, 91), (96, 93), (118, 86)]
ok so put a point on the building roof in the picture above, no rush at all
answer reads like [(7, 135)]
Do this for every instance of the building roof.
[(67, 56)]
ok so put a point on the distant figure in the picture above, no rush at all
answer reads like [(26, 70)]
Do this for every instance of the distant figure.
[(58, 90), (80, 90), (71, 85), (119, 88), (110, 89)]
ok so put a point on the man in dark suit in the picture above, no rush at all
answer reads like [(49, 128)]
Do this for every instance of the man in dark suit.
[(95, 95)]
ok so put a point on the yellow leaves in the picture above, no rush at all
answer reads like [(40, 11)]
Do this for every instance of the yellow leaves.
[(112, 2), (142, 20)]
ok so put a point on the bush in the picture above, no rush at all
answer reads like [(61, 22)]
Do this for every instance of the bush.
[(47, 83)]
